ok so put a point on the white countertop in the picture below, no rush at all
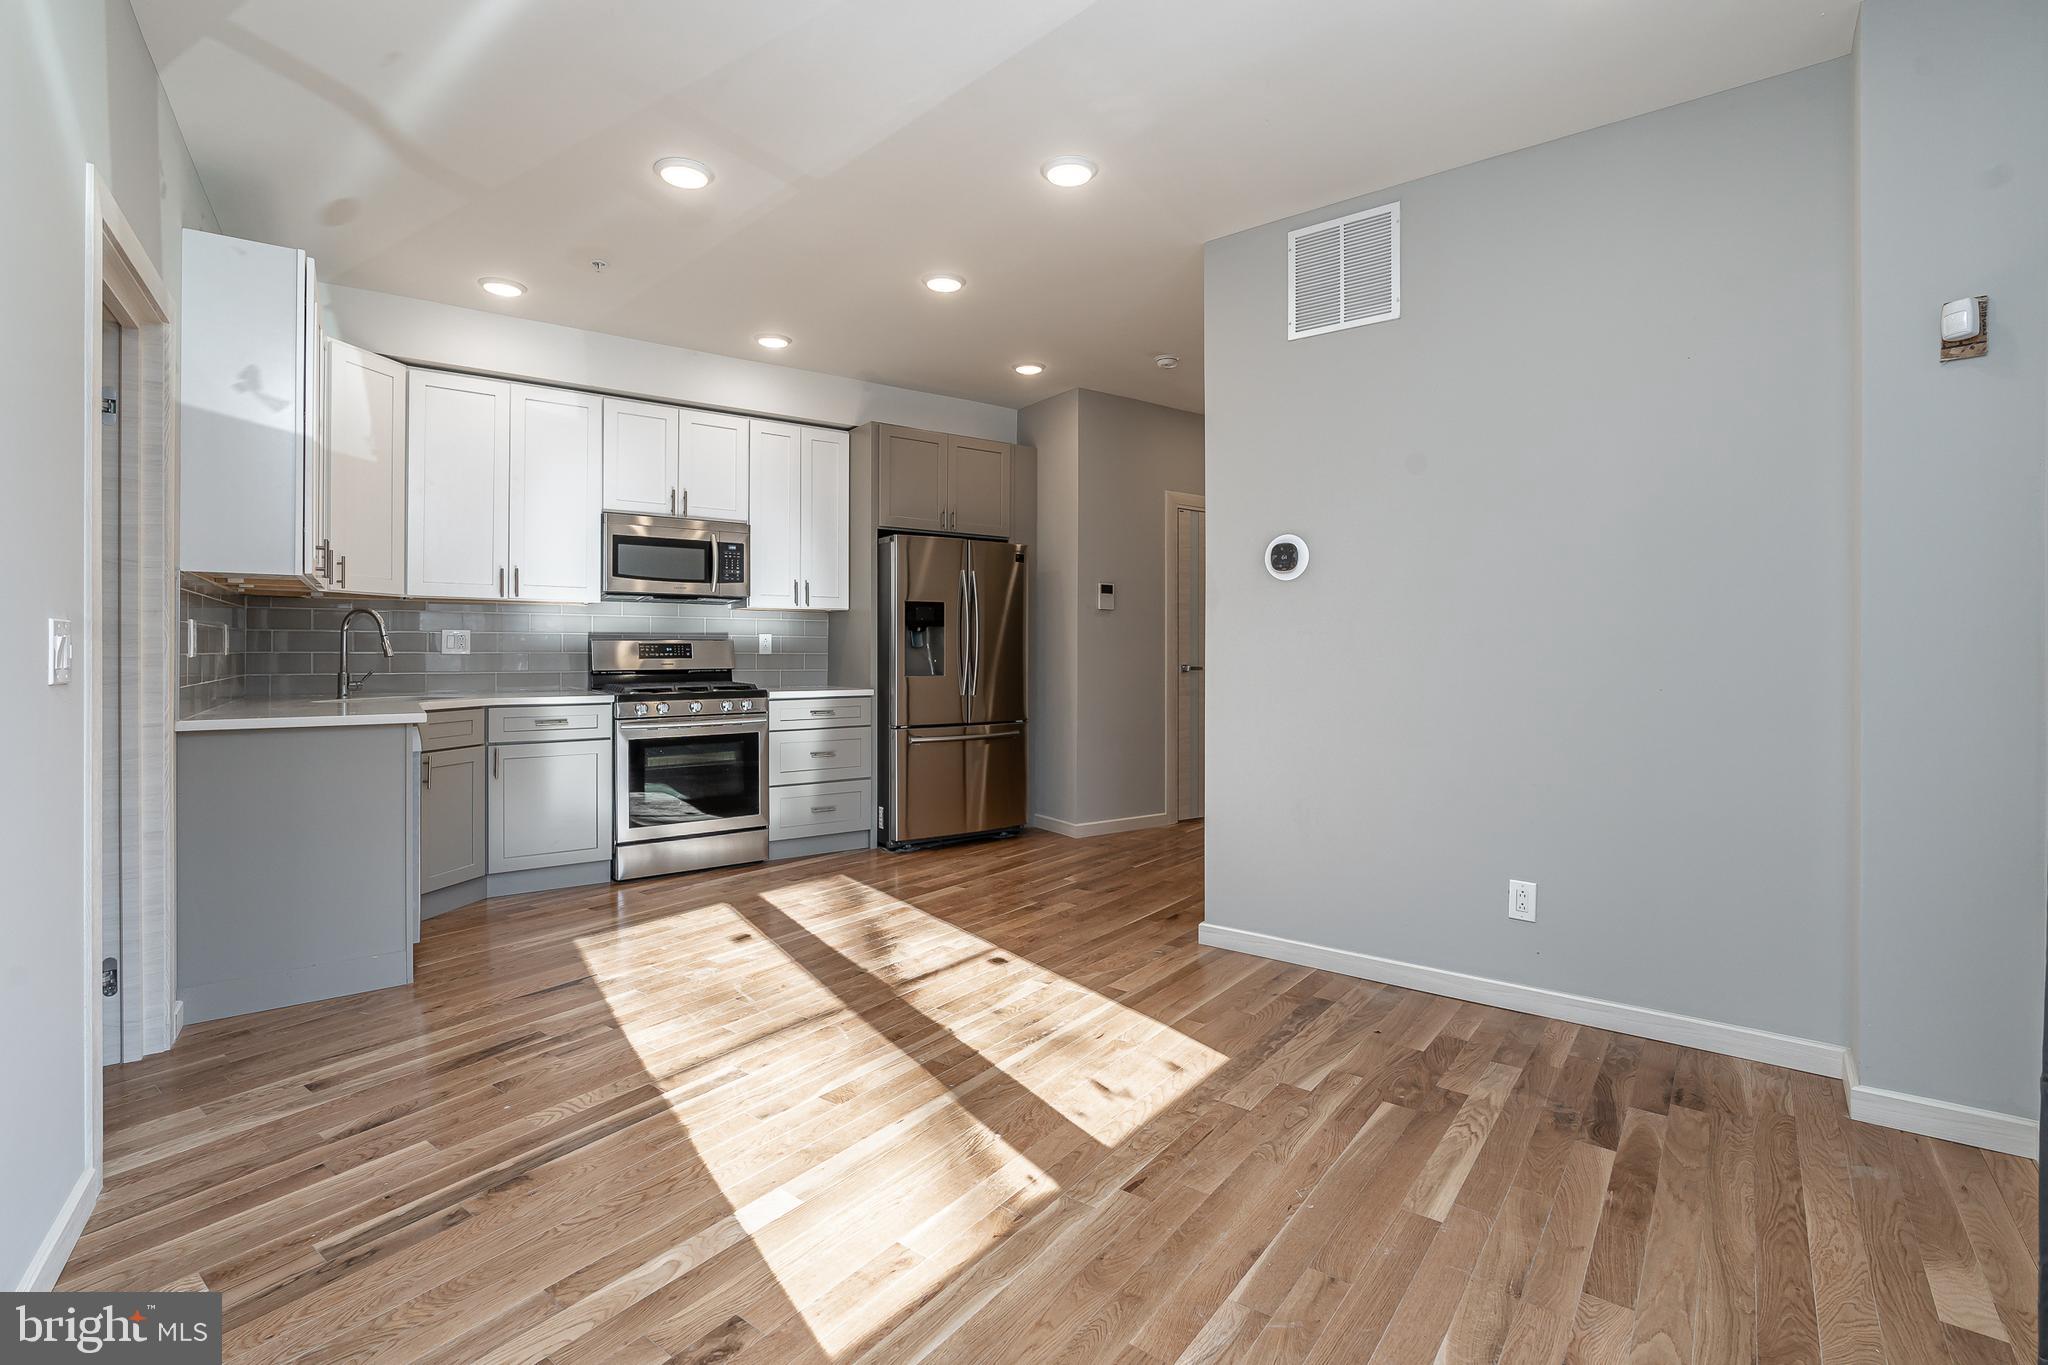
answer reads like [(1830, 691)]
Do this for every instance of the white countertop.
[(297, 713), (807, 693)]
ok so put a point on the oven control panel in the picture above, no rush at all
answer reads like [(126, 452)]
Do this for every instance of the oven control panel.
[(732, 562), (666, 649)]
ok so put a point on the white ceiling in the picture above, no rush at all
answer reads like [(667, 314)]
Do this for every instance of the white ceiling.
[(414, 145)]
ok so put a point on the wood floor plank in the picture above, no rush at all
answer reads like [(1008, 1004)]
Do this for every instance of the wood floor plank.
[(995, 1104)]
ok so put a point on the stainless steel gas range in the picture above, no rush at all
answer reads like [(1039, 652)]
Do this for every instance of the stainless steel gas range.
[(690, 752)]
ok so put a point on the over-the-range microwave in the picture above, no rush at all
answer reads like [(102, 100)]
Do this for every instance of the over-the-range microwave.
[(676, 557)]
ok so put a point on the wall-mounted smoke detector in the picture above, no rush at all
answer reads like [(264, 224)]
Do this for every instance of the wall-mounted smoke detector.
[(1344, 273), (1166, 362)]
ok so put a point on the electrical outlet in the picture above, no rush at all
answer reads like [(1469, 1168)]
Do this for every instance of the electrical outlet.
[(1522, 901), (766, 642), (455, 642)]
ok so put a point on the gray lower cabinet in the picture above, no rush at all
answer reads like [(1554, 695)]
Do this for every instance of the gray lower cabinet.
[(452, 830), (550, 804)]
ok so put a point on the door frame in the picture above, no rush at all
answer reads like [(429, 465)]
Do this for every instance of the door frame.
[(1176, 503)]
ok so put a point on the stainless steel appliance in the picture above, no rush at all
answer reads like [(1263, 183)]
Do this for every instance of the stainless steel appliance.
[(690, 754), (646, 556), (953, 641)]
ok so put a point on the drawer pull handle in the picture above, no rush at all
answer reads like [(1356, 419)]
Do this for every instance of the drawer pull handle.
[(823, 810), (550, 720), (825, 711), (824, 753)]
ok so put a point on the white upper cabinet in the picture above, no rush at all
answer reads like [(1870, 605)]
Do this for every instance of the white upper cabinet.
[(363, 407), (641, 441), (557, 473), (827, 518), (775, 533), (458, 489), (713, 463), (251, 498), (802, 510)]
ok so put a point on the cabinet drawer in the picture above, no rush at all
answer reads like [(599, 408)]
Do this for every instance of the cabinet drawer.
[(452, 730), (525, 724), (820, 755), (819, 713), (816, 808)]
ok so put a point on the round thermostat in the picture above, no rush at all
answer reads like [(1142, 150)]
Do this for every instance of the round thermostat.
[(1286, 557)]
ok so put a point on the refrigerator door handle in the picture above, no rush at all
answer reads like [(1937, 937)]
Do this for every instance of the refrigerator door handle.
[(964, 739), (974, 592), (963, 633)]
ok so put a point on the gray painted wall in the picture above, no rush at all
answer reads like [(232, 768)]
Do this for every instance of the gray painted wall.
[(1953, 145), (76, 85), (1580, 601), (1105, 464)]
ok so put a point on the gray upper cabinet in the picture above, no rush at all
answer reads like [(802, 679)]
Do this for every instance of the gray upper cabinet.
[(929, 481), (452, 847), (550, 804)]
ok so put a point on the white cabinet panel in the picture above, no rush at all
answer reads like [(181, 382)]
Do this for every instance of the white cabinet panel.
[(712, 469), (775, 536), (457, 485), (640, 451), (550, 804), (364, 411), (451, 817), (827, 514), (818, 808), (820, 755), (557, 492)]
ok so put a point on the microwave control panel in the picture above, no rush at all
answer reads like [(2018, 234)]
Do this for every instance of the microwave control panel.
[(732, 562)]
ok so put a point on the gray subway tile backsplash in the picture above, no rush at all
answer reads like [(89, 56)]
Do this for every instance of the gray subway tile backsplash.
[(284, 647)]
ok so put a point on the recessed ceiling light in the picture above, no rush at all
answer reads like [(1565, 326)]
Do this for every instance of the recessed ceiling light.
[(944, 284), (1166, 362), (774, 341), (503, 288), (1030, 368), (683, 173), (1068, 172)]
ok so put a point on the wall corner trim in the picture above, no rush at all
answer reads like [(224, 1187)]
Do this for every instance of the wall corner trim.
[(41, 1273), (1089, 829), (2008, 1133)]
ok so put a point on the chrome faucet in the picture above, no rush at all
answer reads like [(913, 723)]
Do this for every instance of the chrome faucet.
[(342, 682)]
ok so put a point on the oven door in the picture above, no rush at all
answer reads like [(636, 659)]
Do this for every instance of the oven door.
[(673, 557), (701, 777)]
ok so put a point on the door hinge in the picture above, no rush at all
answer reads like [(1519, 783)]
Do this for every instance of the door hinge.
[(110, 976)]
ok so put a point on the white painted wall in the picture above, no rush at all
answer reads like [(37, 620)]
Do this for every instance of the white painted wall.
[(76, 86), (1580, 605), (505, 344), (1952, 134)]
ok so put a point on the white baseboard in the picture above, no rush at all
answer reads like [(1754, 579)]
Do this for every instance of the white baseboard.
[(1952, 1122), (48, 1263), (1737, 1040), (1090, 829)]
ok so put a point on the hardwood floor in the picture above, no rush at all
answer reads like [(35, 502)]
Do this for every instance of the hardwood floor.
[(994, 1104)]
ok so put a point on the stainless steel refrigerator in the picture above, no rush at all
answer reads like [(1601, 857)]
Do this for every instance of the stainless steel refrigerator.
[(953, 642)]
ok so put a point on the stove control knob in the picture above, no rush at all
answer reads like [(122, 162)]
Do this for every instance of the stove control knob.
[(746, 706), (725, 706), (695, 707), (661, 708), (639, 708)]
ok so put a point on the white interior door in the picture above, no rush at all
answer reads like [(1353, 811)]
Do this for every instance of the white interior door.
[(827, 516), (713, 465), (457, 485), (364, 408), (557, 494), (640, 444), (1191, 656), (775, 532)]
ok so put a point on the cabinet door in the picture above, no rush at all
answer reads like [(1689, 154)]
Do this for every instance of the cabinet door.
[(978, 486), (550, 804), (640, 443), (912, 480), (775, 533), (458, 494), (364, 407), (557, 494), (827, 511), (451, 817), (712, 471)]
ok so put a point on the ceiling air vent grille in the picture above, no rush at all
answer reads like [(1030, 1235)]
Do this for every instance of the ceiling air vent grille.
[(1344, 273)]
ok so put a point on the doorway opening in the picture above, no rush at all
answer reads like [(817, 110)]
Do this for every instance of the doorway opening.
[(1186, 653)]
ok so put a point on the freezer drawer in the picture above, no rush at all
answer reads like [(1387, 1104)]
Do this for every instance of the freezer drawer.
[(949, 781)]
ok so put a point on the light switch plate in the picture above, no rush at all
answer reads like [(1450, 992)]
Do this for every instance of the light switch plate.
[(1105, 597), (455, 642), (60, 651)]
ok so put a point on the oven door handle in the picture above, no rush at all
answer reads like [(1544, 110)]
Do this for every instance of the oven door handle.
[(636, 730)]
